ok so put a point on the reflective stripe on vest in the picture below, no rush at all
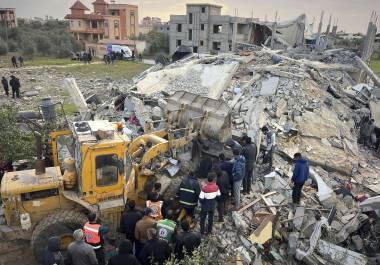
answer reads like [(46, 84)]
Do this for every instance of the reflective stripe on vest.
[(91, 232), (156, 209)]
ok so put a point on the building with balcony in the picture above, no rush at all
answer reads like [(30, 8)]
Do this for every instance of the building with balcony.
[(8, 17), (109, 21), (205, 29)]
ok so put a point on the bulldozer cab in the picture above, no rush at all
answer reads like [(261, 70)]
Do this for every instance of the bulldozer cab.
[(101, 160)]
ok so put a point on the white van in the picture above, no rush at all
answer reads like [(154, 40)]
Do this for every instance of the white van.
[(124, 50)]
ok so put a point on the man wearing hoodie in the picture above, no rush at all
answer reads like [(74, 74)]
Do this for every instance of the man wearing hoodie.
[(300, 175), (238, 174), (124, 255), (52, 254)]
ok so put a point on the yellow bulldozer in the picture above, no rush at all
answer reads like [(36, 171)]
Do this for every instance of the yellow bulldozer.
[(102, 168)]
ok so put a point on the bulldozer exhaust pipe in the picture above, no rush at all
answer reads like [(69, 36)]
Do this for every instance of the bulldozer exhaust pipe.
[(40, 163)]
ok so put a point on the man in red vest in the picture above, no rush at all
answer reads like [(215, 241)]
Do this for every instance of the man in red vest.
[(94, 232), (155, 205)]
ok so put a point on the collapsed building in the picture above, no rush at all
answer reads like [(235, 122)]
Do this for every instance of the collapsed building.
[(316, 107)]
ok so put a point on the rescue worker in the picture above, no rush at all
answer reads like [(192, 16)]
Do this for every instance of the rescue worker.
[(188, 195), (270, 141), (52, 254), (186, 241), (4, 82), (226, 166), (223, 182), (300, 175), (94, 233), (155, 205), (166, 229), (15, 85), (238, 173), (124, 255), (141, 229), (79, 252), (209, 193), (155, 251), (128, 221), (249, 151)]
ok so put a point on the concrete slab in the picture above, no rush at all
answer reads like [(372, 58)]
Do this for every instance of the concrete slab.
[(339, 255), (269, 86), (298, 217)]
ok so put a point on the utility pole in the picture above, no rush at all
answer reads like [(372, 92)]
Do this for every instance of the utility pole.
[(328, 31), (274, 29), (318, 40)]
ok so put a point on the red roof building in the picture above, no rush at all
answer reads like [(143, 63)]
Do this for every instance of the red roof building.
[(108, 21)]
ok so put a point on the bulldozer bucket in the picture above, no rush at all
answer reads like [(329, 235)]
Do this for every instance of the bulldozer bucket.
[(211, 117)]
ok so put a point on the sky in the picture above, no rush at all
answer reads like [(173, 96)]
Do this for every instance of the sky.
[(352, 15)]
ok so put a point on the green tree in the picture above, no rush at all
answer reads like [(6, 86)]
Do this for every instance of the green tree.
[(12, 46), (28, 48), (15, 144), (43, 45)]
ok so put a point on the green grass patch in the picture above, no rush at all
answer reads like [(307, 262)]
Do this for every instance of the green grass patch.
[(375, 65), (5, 61), (118, 70), (48, 61), (69, 108)]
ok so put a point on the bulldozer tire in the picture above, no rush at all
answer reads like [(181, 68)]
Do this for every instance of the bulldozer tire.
[(61, 223)]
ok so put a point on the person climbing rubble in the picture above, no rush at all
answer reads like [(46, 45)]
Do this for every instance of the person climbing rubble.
[(300, 175), (226, 165), (238, 173), (366, 131), (223, 182), (249, 151), (4, 82), (270, 141)]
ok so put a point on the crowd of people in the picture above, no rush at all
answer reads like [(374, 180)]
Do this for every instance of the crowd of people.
[(166, 229)]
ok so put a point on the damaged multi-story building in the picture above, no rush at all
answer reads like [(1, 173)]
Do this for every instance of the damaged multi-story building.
[(205, 29)]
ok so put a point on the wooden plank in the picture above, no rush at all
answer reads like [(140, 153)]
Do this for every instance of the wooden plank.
[(255, 201), (268, 201)]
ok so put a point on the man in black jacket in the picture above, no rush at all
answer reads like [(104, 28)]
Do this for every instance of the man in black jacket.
[(15, 85), (128, 221), (249, 152), (186, 241), (223, 183), (52, 254), (4, 81), (155, 251), (188, 194), (124, 255)]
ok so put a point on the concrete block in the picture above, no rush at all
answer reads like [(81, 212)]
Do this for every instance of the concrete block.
[(298, 217), (358, 242), (292, 243)]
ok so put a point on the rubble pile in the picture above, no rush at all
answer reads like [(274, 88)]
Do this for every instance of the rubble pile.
[(311, 102)]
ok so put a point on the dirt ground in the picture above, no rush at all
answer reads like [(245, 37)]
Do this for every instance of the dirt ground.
[(17, 252)]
